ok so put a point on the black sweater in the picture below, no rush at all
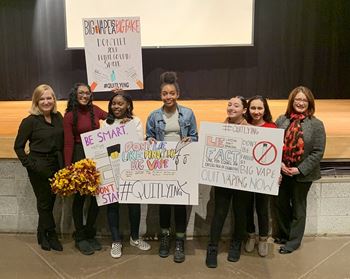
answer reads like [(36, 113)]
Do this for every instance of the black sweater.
[(43, 137)]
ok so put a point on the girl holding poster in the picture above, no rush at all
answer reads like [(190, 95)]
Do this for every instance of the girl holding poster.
[(43, 129), (81, 117), (236, 109), (174, 123), (258, 114), (304, 145), (120, 110)]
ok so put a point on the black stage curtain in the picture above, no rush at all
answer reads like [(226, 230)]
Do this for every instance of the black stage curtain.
[(296, 42)]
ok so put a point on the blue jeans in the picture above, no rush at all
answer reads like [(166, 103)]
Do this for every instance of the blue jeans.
[(113, 220)]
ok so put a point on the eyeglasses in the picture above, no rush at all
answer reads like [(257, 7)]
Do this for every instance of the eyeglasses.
[(298, 100), (82, 94)]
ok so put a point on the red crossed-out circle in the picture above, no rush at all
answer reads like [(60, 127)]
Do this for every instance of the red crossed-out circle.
[(270, 147)]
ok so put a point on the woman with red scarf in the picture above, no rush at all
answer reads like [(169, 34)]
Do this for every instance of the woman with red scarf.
[(304, 145)]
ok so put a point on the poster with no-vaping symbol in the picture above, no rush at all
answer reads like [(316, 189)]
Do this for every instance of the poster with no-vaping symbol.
[(265, 153)]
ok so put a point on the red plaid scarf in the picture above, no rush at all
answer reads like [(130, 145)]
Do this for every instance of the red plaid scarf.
[(293, 147)]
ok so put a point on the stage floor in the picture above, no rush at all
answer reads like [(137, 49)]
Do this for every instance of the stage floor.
[(335, 115)]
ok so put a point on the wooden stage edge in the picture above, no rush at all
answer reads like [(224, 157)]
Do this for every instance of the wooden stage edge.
[(335, 115)]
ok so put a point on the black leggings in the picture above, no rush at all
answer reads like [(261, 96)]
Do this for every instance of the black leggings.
[(87, 231), (81, 231), (180, 217), (261, 202), (223, 197)]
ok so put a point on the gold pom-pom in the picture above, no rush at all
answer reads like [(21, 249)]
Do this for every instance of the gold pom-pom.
[(81, 177)]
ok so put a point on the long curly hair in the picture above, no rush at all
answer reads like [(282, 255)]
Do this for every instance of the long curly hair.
[(129, 111), (73, 106)]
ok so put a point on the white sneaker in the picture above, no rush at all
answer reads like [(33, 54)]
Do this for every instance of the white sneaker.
[(250, 244), (116, 250), (263, 247), (141, 244)]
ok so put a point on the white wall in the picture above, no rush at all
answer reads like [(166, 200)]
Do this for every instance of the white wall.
[(328, 208)]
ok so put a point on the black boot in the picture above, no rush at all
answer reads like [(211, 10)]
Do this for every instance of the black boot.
[(91, 238), (43, 241), (212, 256), (55, 244), (234, 252), (179, 253), (164, 245), (38, 236), (82, 244)]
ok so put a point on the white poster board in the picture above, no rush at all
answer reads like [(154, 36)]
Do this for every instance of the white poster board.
[(113, 53), (103, 146), (161, 173), (240, 157)]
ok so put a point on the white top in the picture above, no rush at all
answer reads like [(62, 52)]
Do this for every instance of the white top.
[(136, 120)]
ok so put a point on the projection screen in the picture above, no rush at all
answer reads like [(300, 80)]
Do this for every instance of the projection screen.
[(165, 23)]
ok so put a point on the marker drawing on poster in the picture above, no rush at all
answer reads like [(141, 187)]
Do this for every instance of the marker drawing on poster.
[(103, 146), (160, 173), (240, 157), (113, 53)]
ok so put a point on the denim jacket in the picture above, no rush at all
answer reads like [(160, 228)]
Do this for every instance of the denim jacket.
[(155, 126)]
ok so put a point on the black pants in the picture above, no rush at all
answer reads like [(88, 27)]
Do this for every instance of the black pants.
[(81, 231), (223, 197), (43, 168), (259, 202), (88, 230), (290, 206), (113, 220), (179, 214)]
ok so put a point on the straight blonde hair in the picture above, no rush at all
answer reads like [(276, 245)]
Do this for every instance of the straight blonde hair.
[(38, 92)]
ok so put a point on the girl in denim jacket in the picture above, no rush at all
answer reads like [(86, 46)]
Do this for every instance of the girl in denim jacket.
[(171, 122)]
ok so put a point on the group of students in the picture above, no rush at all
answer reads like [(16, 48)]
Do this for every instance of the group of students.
[(54, 142)]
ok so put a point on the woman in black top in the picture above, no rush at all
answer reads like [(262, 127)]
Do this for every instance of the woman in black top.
[(43, 128)]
